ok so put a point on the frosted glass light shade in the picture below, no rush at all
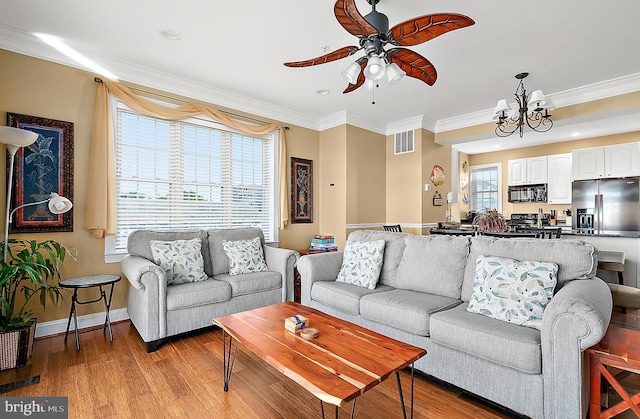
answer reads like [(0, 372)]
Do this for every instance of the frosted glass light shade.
[(351, 73), (375, 68), (394, 73), (15, 138)]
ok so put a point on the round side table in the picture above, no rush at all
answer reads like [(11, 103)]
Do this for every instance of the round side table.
[(89, 282)]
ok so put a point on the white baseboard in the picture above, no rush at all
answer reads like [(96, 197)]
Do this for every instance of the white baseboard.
[(55, 327)]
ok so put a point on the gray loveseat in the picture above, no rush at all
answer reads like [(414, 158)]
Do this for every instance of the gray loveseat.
[(422, 296), (159, 311)]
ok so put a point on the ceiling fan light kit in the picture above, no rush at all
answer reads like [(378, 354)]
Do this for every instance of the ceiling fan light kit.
[(373, 35), (529, 112)]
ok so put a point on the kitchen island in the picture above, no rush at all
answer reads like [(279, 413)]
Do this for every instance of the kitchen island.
[(614, 241)]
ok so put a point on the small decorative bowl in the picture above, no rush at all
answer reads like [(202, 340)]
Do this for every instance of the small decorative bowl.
[(309, 333)]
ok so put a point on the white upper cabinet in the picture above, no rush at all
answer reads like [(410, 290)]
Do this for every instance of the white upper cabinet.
[(537, 170), (528, 171), (559, 178), (621, 160), (518, 172)]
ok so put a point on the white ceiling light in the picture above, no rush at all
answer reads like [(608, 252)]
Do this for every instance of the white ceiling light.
[(394, 73), (375, 68), (351, 73)]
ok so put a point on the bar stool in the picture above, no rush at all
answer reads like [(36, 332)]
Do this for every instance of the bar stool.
[(89, 282), (612, 261)]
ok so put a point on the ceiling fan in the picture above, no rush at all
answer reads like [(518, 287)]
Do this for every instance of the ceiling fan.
[(373, 33)]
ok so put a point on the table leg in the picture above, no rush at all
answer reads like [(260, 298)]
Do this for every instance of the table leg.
[(228, 358), (71, 310), (404, 410), (107, 307)]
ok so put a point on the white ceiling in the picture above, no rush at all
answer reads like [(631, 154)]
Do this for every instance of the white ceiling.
[(232, 54)]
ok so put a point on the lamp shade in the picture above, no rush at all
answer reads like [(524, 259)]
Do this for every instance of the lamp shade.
[(59, 204), (15, 138), (537, 101), (351, 73), (394, 73), (375, 68), (502, 106)]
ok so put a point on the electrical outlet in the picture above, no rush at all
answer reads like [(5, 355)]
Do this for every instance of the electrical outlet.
[(504, 213), (427, 187)]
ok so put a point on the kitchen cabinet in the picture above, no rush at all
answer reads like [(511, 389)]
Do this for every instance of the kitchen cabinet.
[(559, 178), (529, 171), (620, 160)]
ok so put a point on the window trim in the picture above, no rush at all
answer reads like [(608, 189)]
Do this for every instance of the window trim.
[(111, 255), (498, 166)]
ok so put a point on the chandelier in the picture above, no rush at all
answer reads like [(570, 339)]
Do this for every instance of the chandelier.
[(529, 113)]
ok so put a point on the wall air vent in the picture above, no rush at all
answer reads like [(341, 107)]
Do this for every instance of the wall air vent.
[(404, 142)]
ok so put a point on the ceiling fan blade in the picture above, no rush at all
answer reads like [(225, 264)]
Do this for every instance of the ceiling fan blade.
[(424, 28), (351, 19), (361, 77), (414, 64), (327, 58)]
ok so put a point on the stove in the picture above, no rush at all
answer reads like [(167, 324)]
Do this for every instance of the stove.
[(528, 219)]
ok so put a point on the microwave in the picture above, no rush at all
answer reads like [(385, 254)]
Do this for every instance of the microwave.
[(527, 193)]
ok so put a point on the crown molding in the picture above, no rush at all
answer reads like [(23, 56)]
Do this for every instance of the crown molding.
[(583, 94), (417, 122), (349, 118)]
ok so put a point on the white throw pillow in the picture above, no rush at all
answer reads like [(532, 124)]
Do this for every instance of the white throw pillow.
[(512, 291), (181, 260), (245, 256), (362, 263)]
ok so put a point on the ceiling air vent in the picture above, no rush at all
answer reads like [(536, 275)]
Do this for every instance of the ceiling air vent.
[(404, 142)]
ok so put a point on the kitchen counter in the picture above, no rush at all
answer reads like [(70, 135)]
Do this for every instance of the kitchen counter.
[(605, 233)]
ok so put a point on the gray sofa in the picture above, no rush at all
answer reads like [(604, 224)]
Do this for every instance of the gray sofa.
[(159, 311), (422, 297)]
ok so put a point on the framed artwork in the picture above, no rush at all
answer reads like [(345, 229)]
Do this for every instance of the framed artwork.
[(301, 190), (44, 167)]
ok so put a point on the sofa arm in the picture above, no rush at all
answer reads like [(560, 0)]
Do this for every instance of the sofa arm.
[(147, 297), (134, 267), (576, 318), (282, 261), (317, 267)]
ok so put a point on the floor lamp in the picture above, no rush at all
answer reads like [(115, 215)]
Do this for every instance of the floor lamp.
[(16, 138)]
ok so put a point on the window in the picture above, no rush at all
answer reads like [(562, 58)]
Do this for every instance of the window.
[(486, 185), (193, 173)]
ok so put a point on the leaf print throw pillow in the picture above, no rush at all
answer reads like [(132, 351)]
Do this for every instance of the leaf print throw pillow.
[(362, 263), (181, 260), (245, 256), (513, 291)]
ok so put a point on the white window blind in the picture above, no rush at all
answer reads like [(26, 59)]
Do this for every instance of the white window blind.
[(485, 187), (191, 174)]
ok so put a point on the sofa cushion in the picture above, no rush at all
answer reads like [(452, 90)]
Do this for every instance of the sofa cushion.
[(219, 259), (361, 263), (433, 264), (251, 283), (245, 256), (513, 291), (393, 249), (575, 259), (405, 310), (493, 340), (181, 260), (197, 294), (138, 243), (341, 296)]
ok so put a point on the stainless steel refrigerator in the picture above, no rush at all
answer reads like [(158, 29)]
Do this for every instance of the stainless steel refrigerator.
[(606, 204)]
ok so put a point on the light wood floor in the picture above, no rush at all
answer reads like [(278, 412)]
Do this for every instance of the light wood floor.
[(184, 379)]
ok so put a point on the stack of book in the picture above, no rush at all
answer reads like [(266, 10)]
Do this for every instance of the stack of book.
[(323, 243)]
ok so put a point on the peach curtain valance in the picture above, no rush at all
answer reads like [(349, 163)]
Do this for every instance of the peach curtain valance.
[(101, 193)]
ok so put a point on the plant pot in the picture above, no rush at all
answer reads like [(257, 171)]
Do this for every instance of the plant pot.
[(16, 347)]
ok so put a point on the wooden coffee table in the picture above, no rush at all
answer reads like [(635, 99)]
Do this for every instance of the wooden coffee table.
[(344, 361)]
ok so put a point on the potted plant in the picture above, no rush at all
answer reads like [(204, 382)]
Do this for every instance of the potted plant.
[(490, 220), (31, 270)]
